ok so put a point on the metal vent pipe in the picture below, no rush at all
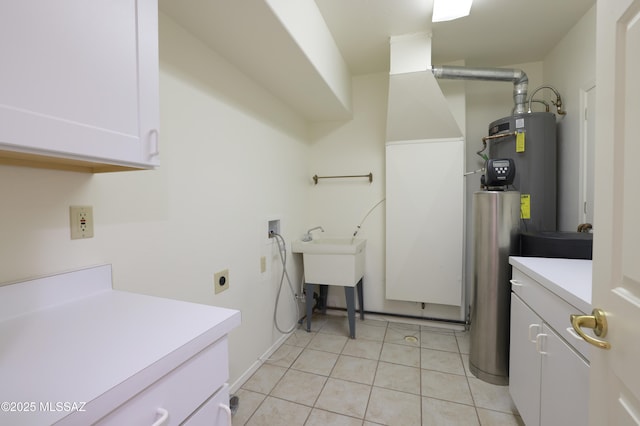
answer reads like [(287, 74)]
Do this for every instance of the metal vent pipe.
[(517, 77)]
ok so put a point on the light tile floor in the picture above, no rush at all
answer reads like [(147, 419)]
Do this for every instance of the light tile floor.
[(392, 374)]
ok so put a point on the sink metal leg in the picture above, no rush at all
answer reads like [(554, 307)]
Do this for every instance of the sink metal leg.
[(351, 310), (350, 294), (360, 298), (308, 288), (322, 300)]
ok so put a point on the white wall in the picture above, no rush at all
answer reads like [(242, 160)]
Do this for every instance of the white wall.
[(358, 147), (353, 147), (571, 68), (232, 157)]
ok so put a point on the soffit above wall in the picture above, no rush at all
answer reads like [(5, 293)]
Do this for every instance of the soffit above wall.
[(251, 35)]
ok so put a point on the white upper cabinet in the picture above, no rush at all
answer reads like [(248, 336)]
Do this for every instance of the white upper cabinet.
[(79, 84)]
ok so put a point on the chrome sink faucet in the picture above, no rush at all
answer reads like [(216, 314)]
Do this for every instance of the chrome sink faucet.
[(308, 237)]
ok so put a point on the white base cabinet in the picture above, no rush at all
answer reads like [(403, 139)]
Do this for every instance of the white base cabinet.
[(215, 411), (180, 392), (79, 84), (548, 363), (549, 381), (122, 358)]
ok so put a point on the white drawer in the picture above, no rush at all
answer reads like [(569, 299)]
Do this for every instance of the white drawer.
[(214, 412), (551, 308), (180, 392)]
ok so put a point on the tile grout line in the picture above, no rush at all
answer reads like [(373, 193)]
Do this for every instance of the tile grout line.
[(366, 408), (473, 399), (328, 376)]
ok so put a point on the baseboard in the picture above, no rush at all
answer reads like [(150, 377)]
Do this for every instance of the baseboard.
[(257, 364)]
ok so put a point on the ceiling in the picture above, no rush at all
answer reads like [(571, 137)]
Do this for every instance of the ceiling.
[(249, 35), (496, 33)]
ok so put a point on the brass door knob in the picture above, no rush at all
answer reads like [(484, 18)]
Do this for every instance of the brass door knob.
[(596, 321)]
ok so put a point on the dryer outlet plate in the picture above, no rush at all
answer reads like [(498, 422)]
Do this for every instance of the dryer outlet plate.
[(221, 281)]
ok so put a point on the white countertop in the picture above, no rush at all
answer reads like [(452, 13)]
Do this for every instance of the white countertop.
[(570, 279), (109, 342)]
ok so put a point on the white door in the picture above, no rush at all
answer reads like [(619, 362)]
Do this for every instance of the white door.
[(615, 373)]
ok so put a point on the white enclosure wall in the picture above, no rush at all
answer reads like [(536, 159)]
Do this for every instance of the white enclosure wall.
[(425, 221)]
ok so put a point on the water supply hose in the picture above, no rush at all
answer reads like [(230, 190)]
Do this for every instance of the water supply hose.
[(557, 103), (365, 218), (283, 257)]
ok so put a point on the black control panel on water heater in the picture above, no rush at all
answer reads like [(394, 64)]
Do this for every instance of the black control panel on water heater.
[(500, 172)]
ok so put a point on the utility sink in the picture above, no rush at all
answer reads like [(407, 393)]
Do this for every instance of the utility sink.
[(332, 261)]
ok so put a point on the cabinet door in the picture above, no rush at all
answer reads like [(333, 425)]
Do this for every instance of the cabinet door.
[(79, 79), (565, 383), (214, 412), (524, 361)]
